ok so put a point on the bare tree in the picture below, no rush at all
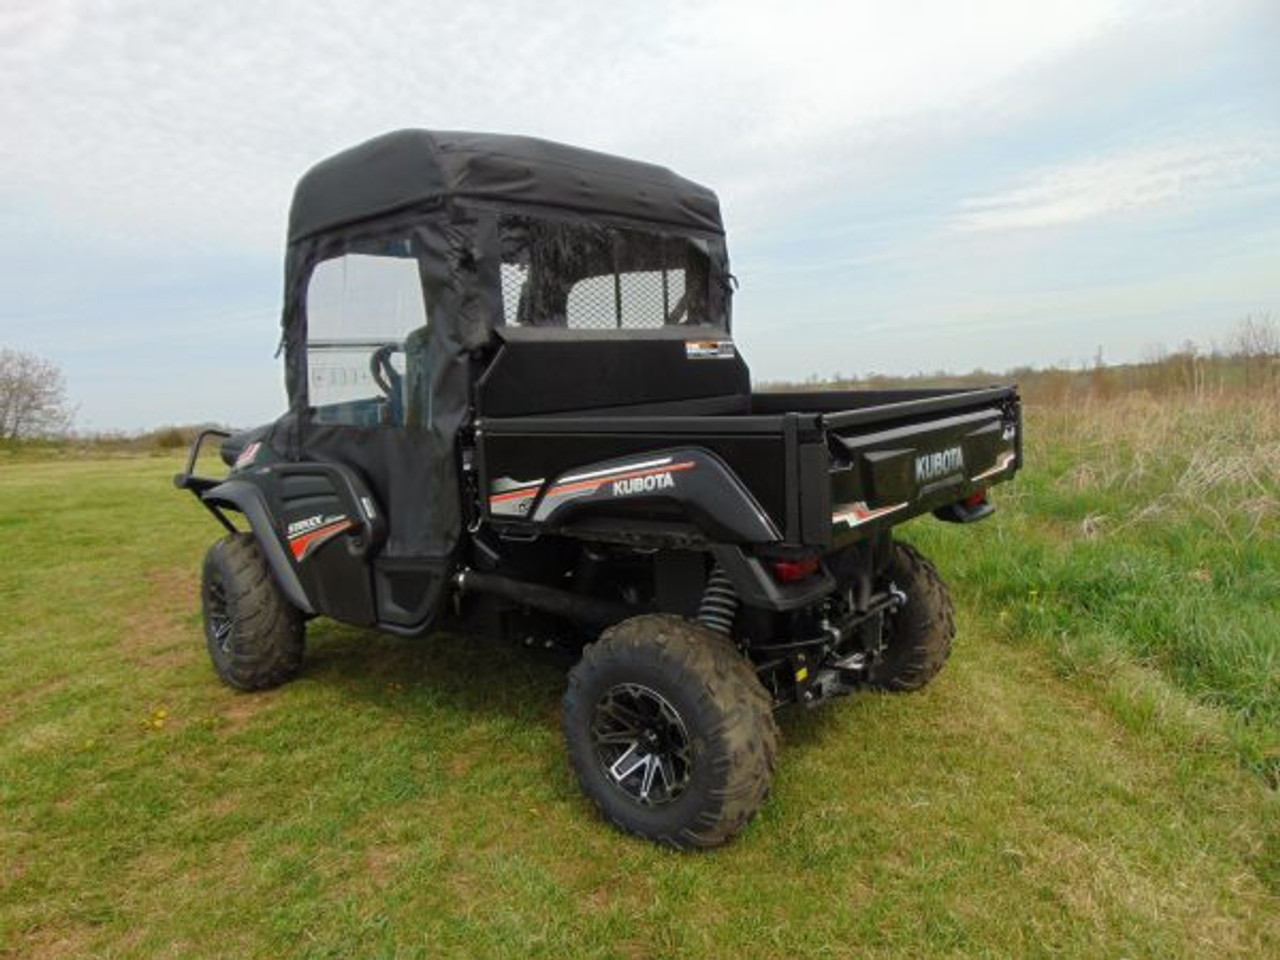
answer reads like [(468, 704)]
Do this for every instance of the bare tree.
[(1256, 336), (1256, 341), (33, 397)]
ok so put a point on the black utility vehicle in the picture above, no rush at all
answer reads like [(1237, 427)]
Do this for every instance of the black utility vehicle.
[(516, 406)]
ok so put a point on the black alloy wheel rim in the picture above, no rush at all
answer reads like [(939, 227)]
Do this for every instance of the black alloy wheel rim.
[(217, 616), (642, 744)]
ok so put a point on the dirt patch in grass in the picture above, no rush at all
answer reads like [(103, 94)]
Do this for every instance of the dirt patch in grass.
[(17, 703), (239, 709), (44, 943), (153, 633), (460, 764), (381, 864)]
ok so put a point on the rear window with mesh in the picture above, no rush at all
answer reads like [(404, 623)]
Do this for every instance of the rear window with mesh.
[(590, 276)]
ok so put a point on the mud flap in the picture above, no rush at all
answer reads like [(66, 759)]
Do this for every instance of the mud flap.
[(757, 588)]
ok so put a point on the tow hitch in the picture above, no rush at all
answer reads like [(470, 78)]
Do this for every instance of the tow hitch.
[(821, 666)]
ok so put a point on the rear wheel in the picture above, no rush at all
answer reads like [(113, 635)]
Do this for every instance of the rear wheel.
[(918, 635), (670, 732), (254, 635)]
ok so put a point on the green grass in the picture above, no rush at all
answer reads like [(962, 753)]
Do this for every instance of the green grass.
[(1145, 532), (1087, 778)]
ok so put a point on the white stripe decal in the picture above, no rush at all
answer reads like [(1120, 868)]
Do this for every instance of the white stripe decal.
[(856, 514), (507, 485), (621, 468), (1001, 465)]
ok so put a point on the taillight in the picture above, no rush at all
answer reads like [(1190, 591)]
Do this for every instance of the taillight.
[(789, 571), (976, 499)]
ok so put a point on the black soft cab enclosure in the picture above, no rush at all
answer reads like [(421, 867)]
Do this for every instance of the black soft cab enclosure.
[(516, 406)]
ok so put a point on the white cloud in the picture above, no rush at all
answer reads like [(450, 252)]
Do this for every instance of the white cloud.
[(31, 31), (1127, 180), (194, 121)]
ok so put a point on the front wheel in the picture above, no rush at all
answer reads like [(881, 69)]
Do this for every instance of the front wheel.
[(918, 635), (254, 635), (670, 732)]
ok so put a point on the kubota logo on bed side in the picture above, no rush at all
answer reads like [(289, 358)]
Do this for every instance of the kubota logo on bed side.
[(656, 481), (931, 466)]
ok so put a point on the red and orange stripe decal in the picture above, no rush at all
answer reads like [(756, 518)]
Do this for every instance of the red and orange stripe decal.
[(303, 544), (515, 494)]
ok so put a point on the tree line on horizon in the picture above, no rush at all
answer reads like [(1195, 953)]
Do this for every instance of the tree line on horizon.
[(1248, 362), (34, 403)]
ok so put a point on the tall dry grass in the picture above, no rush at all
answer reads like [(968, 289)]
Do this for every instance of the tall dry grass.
[(1171, 457)]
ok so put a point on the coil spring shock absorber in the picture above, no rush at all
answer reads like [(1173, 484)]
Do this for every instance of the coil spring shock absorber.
[(719, 603)]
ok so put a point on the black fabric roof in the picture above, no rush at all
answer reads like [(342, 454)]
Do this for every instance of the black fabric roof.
[(410, 167)]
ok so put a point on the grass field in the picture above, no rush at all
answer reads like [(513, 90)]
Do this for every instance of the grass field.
[(1095, 773)]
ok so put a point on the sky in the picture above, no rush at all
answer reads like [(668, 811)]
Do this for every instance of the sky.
[(907, 186)]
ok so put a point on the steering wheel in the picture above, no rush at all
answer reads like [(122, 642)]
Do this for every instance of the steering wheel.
[(384, 374)]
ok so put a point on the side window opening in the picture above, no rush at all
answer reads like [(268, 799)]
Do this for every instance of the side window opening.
[(366, 344)]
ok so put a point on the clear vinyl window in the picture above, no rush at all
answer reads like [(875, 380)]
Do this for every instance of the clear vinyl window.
[(365, 315), (590, 276)]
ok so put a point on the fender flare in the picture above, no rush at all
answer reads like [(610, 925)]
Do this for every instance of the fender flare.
[(705, 489), (252, 503)]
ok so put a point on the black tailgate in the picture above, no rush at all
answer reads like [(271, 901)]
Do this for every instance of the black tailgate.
[(896, 461)]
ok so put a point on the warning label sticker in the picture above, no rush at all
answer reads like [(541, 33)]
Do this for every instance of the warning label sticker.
[(709, 349)]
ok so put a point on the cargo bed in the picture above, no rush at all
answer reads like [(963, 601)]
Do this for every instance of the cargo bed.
[(825, 468)]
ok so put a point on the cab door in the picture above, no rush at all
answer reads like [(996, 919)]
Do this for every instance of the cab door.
[(367, 413)]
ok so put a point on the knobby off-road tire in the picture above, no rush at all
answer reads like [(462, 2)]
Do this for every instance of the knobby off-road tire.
[(255, 636), (919, 634), (683, 697)]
